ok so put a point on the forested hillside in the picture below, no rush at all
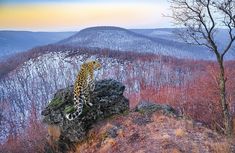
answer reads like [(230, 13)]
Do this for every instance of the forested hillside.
[(189, 86)]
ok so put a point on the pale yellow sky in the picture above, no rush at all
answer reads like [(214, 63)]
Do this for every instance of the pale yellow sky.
[(75, 16)]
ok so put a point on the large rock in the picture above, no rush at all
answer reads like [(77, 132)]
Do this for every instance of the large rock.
[(107, 100)]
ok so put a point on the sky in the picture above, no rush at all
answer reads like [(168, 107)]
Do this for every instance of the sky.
[(73, 15)]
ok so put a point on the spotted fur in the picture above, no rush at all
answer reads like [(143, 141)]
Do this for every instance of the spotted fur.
[(84, 84)]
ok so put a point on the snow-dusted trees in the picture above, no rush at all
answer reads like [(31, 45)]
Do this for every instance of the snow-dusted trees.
[(25, 91)]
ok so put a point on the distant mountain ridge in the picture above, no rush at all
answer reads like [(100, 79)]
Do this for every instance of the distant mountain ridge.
[(12, 42), (161, 41), (116, 38), (221, 35)]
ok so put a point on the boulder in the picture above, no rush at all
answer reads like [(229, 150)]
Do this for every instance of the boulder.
[(149, 107), (107, 100)]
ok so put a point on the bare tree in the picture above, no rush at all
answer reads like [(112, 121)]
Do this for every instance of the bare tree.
[(202, 20)]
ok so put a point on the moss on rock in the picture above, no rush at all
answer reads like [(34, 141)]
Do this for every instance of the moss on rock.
[(55, 102), (69, 109)]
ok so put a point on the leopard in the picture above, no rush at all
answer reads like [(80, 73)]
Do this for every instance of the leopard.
[(83, 86)]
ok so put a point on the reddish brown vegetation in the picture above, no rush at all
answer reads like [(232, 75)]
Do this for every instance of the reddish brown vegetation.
[(198, 99), (141, 133), (31, 139)]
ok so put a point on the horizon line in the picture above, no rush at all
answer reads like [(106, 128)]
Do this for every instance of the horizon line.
[(79, 29)]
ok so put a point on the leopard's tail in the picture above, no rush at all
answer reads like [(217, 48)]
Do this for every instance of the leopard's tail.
[(78, 104)]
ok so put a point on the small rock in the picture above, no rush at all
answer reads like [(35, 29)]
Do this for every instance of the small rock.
[(142, 120), (148, 107), (112, 132)]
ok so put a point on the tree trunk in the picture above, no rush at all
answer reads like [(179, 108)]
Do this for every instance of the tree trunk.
[(226, 115)]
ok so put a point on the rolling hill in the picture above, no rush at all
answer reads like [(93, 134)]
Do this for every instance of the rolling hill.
[(159, 41), (171, 34), (116, 38)]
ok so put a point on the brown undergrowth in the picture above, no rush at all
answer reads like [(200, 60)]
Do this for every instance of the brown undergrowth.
[(142, 133)]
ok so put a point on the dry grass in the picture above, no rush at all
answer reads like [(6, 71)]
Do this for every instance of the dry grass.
[(179, 132), (176, 151), (156, 133), (220, 147), (234, 125), (108, 145), (53, 132), (54, 135)]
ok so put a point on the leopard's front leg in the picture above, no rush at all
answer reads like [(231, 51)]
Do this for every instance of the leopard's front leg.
[(87, 97), (91, 85)]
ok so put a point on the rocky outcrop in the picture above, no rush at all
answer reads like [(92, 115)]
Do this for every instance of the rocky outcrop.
[(149, 107), (107, 100)]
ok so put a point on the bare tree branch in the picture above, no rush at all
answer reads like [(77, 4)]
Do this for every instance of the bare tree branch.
[(202, 18)]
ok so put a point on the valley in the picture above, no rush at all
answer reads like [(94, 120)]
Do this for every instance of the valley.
[(152, 64)]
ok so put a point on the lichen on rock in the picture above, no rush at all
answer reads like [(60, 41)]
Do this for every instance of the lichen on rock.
[(107, 100)]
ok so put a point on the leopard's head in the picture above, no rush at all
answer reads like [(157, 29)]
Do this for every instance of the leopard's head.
[(95, 64)]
